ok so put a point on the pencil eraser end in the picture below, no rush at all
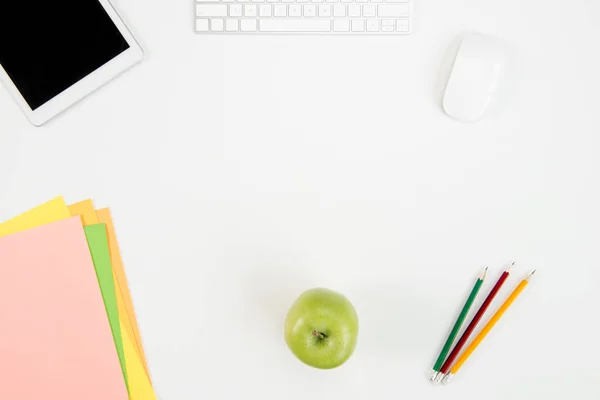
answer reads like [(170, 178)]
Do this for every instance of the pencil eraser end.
[(447, 378)]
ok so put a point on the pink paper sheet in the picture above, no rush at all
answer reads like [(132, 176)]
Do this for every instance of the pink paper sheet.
[(55, 339)]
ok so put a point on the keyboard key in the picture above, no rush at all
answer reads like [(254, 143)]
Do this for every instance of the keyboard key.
[(295, 25), (310, 10), (207, 1), (201, 25), (388, 22), (258, 1), (317, 1), (295, 10), (369, 10), (347, 1), (235, 10), (341, 25), (287, 1), (272, 1), (402, 25), (250, 10), (265, 10), (280, 10), (243, 1), (211, 10), (393, 10), (231, 25), (372, 25), (386, 28), (248, 25), (332, 1), (228, 1), (339, 10), (354, 10), (358, 25), (324, 10), (216, 25)]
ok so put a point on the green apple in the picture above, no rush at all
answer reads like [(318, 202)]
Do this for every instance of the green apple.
[(321, 328)]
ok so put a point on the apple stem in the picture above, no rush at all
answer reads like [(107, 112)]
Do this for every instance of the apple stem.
[(319, 334)]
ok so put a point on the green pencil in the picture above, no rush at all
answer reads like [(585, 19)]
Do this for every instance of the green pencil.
[(457, 325)]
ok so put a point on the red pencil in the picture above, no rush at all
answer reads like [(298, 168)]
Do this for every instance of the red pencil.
[(465, 336)]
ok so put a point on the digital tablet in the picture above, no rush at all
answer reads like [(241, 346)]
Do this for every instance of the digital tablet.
[(55, 52)]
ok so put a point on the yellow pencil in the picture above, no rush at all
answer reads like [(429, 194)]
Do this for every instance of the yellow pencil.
[(487, 328)]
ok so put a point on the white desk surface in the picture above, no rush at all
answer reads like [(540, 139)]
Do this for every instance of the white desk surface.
[(243, 170)]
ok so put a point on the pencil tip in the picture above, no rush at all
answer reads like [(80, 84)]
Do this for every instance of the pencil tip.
[(510, 266), (531, 274), (483, 273)]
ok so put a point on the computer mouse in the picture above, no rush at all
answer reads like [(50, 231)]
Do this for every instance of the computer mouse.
[(475, 78)]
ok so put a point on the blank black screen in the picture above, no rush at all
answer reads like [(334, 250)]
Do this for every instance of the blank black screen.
[(46, 46)]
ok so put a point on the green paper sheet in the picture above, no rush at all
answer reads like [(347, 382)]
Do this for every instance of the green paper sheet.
[(98, 243)]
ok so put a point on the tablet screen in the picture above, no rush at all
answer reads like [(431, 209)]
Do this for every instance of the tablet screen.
[(46, 46)]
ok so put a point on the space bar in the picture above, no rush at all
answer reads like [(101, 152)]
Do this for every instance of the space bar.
[(295, 25)]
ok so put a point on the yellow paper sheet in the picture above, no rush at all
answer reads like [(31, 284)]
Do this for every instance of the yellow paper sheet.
[(53, 211), (125, 302), (140, 387), (56, 210)]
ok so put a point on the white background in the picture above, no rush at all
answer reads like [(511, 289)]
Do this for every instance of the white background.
[(244, 170)]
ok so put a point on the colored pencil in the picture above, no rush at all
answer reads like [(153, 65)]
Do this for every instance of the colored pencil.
[(487, 328), (457, 325), (465, 336)]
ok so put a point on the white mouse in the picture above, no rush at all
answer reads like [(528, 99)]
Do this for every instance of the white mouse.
[(477, 72)]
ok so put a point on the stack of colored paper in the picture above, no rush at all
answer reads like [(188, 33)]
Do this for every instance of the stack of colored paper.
[(67, 326)]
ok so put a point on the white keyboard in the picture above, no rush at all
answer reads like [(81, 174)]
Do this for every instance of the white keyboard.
[(342, 17)]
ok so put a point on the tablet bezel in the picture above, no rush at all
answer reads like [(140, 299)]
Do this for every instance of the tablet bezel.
[(85, 86)]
